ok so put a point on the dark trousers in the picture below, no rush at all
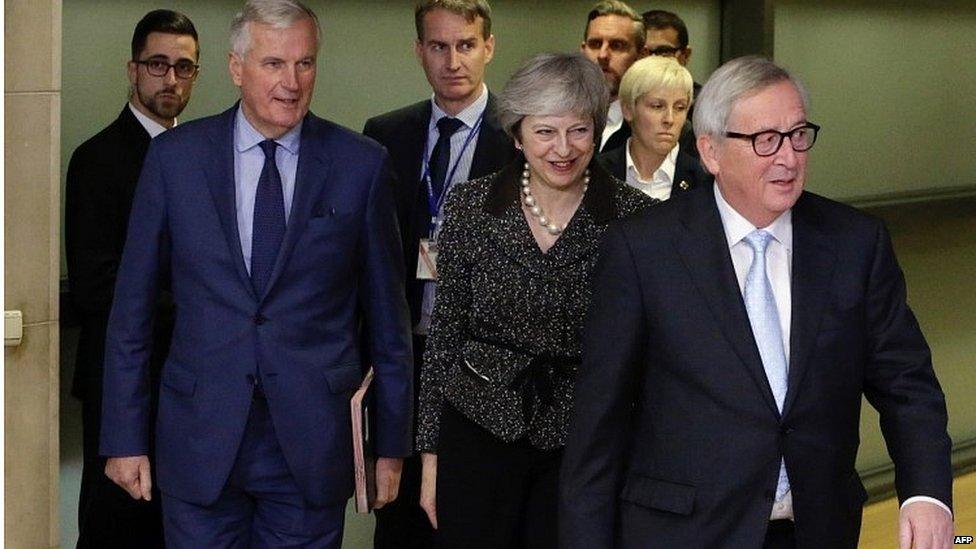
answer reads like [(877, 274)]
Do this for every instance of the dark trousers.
[(260, 506), (403, 524), (490, 493), (108, 517), (780, 535)]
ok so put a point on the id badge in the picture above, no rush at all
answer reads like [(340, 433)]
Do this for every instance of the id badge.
[(427, 261)]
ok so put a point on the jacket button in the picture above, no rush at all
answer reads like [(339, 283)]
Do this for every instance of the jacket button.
[(259, 319)]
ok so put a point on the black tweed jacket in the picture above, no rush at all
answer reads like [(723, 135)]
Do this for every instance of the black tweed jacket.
[(505, 334)]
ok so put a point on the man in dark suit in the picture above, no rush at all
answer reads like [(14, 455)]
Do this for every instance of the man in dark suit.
[(613, 39), (454, 46), (101, 180), (667, 35), (278, 232), (725, 358)]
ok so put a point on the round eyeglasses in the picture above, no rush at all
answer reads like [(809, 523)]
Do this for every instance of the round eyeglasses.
[(159, 67), (768, 142)]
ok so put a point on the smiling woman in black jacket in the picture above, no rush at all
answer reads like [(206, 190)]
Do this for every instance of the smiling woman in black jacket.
[(516, 253)]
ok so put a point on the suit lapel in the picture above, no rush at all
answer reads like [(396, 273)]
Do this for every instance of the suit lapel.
[(310, 176), (220, 178), (684, 174), (705, 252), (812, 271), (493, 148)]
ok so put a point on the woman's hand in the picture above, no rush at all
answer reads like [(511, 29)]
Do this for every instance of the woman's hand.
[(428, 486)]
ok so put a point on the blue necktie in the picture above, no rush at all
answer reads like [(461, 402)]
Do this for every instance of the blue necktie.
[(269, 220), (764, 318), (440, 157)]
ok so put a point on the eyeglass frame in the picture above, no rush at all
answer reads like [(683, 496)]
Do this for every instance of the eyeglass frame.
[(672, 51), (169, 67), (782, 136)]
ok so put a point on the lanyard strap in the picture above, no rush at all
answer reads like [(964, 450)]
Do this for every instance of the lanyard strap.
[(436, 202)]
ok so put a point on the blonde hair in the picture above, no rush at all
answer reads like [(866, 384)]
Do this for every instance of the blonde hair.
[(651, 73)]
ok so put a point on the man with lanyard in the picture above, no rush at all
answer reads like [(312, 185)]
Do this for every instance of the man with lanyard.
[(435, 144)]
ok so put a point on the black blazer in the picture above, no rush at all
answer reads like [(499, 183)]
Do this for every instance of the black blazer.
[(100, 184), (488, 354), (617, 138), (404, 133), (676, 439), (688, 171)]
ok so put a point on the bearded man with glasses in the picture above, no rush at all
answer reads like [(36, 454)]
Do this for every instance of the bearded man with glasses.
[(101, 181)]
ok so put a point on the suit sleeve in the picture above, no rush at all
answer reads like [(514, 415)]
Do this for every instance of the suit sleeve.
[(128, 344), (94, 225), (387, 317), (613, 346), (901, 384), (449, 320)]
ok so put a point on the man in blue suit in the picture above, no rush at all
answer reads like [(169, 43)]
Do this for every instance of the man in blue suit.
[(278, 233)]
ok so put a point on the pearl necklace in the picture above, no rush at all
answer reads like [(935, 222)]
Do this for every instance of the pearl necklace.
[(536, 210)]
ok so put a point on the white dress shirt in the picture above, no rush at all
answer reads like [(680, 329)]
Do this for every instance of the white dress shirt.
[(779, 265), (152, 127), (659, 185), (615, 119)]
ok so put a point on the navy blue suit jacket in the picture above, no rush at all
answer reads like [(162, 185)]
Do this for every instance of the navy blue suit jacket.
[(676, 439), (340, 264)]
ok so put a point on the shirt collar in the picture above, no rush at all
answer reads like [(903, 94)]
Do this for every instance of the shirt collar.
[(469, 115), (152, 127), (667, 166), (247, 137), (737, 226), (615, 115)]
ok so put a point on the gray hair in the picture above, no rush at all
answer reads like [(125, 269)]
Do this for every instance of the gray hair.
[(551, 84), (280, 14), (735, 80)]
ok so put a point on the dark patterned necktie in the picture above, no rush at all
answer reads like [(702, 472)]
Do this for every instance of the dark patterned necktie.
[(440, 158), (269, 220)]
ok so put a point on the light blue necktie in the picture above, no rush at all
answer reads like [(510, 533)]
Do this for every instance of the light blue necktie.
[(764, 318)]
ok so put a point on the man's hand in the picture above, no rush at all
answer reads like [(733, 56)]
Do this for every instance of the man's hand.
[(132, 474), (428, 487), (387, 480), (924, 525)]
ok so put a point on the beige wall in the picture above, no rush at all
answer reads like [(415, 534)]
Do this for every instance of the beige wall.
[(32, 100)]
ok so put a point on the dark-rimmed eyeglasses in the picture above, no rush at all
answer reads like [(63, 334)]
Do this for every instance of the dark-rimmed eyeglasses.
[(768, 142), (665, 51), (159, 67)]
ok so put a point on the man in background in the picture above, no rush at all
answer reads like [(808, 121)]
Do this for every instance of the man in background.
[(613, 39), (100, 184), (434, 144), (667, 35)]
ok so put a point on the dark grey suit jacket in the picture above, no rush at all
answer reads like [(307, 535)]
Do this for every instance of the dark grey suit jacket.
[(404, 133), (676, 439)]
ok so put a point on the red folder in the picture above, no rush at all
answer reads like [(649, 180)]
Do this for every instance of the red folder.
[(364, 460)]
